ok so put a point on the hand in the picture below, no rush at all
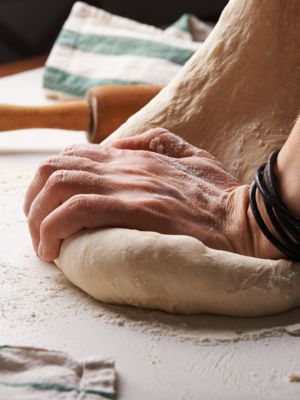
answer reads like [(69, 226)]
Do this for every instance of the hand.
[(154, 181)]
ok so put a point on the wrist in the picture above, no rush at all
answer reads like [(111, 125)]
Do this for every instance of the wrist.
[(288, 182), (287, 170), (245, 234), (262, 247), (240, 227)]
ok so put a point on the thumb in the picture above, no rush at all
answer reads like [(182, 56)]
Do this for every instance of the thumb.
[(159, 140)]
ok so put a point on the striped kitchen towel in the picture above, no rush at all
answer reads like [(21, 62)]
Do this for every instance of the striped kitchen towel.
[(95, 47), (29, 373)]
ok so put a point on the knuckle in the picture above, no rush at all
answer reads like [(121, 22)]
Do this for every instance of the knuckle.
[(45, 229), (146, 154), (169, 136), (79, 202), (166, 140), (157, 130), (72, 148), (57, 178), (48, 165)]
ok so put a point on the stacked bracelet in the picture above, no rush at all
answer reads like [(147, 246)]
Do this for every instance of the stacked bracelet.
[(284, 223)]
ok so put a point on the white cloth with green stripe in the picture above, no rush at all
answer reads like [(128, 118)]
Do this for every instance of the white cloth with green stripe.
[(28, 373), (95, 47)]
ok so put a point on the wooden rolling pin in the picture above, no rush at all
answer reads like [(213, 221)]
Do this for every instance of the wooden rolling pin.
[(103, 111)]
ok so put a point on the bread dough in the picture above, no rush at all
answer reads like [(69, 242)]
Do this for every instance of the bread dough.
[(238, 97), (176, 274)]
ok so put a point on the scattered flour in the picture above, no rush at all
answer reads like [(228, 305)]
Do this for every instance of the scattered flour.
[(32, 292)]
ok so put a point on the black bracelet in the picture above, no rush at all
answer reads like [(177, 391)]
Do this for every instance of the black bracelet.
[(284, 223)]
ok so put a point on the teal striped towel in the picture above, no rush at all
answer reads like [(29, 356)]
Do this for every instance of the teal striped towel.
[(95, 47), (28, 373)]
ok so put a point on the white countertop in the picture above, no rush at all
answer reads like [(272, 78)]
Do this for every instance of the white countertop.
[(158, 356)]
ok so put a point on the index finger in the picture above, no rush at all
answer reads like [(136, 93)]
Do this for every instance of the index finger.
[(47, 168)]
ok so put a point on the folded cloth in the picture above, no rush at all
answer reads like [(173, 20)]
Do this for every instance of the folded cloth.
[(28, 373), (95, 47)]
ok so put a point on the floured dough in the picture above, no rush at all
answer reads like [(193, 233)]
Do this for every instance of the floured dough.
[(177, 274), (238, 98), (239, 95)]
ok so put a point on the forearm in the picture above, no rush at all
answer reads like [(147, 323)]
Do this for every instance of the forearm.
[(288, 171), (288, 178)]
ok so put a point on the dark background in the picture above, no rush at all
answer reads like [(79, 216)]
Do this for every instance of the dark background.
[(29, 27)]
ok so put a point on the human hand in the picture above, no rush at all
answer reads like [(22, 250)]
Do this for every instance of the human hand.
[(155, 181)]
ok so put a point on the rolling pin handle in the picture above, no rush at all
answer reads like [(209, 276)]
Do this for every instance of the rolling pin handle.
[(111, 106)]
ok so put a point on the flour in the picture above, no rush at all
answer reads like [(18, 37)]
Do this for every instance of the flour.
[(51, 296), (202, 329)]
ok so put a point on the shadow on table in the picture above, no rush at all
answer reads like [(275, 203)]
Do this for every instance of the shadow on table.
[(215, 326), (201, 328)]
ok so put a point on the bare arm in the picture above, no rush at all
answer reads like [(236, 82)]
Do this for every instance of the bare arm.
[(288, 178), (288, 171)]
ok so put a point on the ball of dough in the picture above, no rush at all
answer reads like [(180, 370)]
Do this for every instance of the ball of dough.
[(176, 273)]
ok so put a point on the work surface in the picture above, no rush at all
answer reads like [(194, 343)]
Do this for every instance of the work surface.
[(158, 356)]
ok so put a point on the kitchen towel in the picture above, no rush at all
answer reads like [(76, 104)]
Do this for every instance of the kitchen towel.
[(95, 47), (28, 373)]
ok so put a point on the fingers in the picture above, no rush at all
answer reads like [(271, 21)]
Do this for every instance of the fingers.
[(138, 142), (92, 211), (93, 152), (61, 224), (61, 186), (173, 146), (76, 157), (51, 165), (160, 140)]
